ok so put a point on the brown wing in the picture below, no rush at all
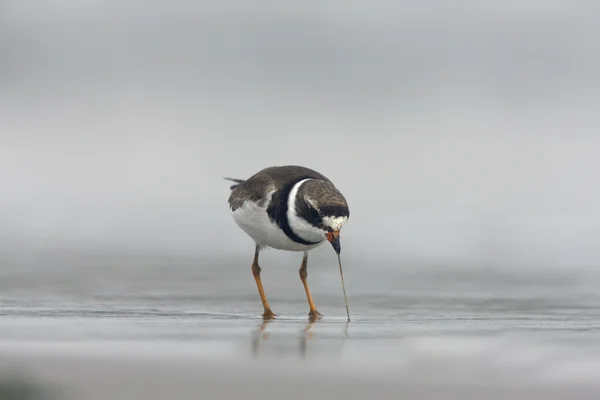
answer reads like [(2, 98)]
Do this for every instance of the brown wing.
[(272, 178)]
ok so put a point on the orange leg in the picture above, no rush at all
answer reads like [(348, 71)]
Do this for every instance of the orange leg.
[(268, 314), (313, 314)]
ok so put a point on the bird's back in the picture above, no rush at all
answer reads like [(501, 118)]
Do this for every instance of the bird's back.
[(269, 179)]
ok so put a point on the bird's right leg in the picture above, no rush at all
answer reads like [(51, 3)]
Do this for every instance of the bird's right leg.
[(268, 314), (313, 315)]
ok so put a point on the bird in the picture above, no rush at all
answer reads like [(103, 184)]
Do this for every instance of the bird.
[(290, 208)]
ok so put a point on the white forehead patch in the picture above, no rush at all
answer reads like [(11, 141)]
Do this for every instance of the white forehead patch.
[(334, 222)]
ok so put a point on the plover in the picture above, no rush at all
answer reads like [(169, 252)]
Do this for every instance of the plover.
[(289, 208)]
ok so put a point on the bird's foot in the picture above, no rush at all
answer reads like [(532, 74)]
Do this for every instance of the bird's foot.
[(269, 315), (314, 315)]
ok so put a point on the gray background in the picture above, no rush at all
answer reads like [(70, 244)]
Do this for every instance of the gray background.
[(462, 132)]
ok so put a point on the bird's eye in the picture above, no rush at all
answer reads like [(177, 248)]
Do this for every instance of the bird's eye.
[(313, 213)]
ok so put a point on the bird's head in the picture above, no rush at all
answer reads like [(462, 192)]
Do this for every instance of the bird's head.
[(325, 210)]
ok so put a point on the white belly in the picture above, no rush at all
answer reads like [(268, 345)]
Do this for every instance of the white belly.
[(253, 220)]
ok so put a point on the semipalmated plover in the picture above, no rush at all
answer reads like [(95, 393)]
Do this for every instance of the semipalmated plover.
[(289, 208)]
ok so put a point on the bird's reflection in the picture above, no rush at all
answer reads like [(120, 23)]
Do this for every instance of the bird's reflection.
[(258, 336), (305, 336)]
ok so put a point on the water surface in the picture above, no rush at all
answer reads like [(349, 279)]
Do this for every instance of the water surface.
[(72, 323)]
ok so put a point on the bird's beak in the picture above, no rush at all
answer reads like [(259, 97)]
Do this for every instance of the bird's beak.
[(334, 239)]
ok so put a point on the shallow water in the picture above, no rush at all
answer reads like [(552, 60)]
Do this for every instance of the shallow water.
[(418, 331)]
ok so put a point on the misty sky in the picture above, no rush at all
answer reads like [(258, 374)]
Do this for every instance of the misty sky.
[(456, 130)]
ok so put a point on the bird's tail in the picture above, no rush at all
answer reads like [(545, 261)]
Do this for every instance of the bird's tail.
[(238, 182)]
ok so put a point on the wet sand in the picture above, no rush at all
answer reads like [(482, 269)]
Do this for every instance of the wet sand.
[(175, 356), (171, 331)]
